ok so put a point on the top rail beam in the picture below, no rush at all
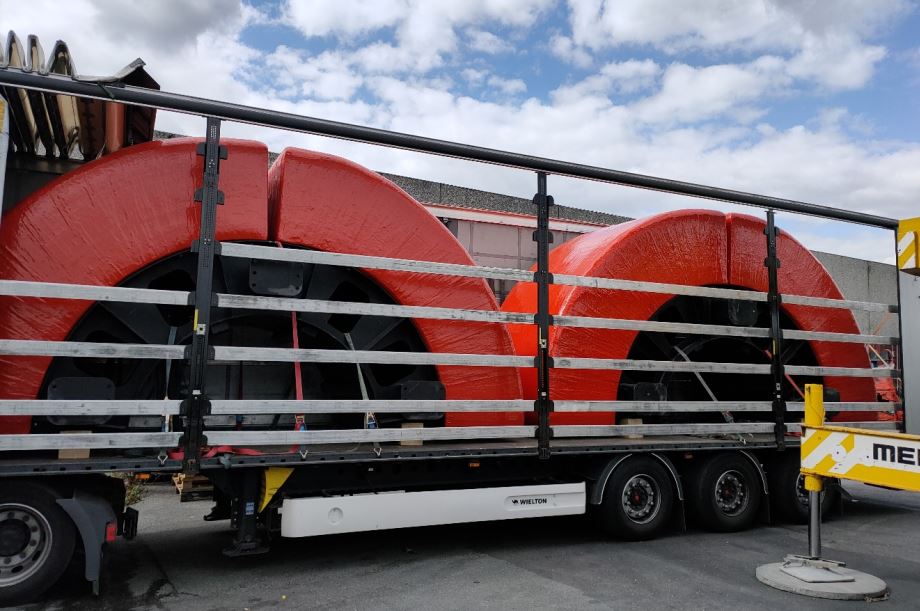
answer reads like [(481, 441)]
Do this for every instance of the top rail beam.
[(164, 100)]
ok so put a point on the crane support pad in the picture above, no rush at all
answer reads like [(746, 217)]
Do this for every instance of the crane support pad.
[(871, 457)]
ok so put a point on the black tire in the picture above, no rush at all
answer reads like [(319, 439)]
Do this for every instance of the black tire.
[(638, 500), (788, 497), (36, 542), (725, 493)]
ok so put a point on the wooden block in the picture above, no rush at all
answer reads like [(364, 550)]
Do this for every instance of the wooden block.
[(197, 488), (75, 452), (412, 425), (631, 421)]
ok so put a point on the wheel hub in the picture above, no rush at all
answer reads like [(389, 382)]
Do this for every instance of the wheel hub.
[(641, 499), (731, 493), (25, 538)]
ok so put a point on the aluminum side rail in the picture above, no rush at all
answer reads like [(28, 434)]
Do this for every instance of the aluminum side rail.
[(735, 428), (284, 304), (347, 406), (81, 407), (57, 290), (20, 288), (270, 118), (263, 438), (291, 255), (155, 407), (75, 441), (356, 406), (19, 347)]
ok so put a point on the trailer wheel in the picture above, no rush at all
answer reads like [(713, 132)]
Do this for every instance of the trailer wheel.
[(637, 500), (36, 542), (725, 493), (788, 496)]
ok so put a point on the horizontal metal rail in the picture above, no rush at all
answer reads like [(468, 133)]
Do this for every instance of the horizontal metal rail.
[(19, 347), (875, 425), (271, 253), (296, 255), (641, 286), (79, 407), (370, 357), (56, 290), (74, 441), (316, 306), (29, 347), (164, 100), (264, 438), (621, 430), (672, 407), (841, 372), (284, 304), (721, 330), (849, 406), (159, 407), (346, 406), (21, 288), (845, 304)]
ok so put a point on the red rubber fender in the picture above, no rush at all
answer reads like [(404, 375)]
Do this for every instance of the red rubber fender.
[(327, 203), (690, 247), (105, 221)]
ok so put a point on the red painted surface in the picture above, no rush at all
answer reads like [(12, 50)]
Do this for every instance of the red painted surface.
[(102, 223), (326, 203), (691, 247)]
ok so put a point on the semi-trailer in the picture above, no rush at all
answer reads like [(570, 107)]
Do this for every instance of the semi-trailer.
[(322, 349)]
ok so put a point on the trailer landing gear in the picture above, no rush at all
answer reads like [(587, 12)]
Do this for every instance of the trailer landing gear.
[(250, 539)]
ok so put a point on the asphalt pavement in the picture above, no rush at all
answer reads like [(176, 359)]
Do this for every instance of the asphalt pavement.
[(561, 563)]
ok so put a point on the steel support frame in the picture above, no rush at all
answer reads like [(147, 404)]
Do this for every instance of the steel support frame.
[(774, 300), (197, 405), (543, 319)]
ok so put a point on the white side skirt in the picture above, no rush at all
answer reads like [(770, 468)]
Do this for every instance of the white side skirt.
[(311, 516)]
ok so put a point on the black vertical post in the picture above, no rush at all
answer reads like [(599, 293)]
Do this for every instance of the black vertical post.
[(196, 405), (774, 299), (542, 319)]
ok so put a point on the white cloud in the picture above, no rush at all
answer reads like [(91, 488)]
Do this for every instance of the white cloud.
[(507, 86), (836, 62), (823, 42), (343, 19), (487, 42), (565, 48), (627, 77), (691, 94), (425, 32)]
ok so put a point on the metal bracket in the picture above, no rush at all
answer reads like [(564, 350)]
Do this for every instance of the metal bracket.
[(542, 236), (196, 406), (774, 299)]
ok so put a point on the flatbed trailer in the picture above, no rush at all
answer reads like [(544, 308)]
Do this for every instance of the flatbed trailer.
[(634, 477)]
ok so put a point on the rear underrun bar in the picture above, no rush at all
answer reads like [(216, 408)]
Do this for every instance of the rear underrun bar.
[(139, 96)]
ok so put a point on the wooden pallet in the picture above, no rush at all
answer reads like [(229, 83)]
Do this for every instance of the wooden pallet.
[(195, 488)]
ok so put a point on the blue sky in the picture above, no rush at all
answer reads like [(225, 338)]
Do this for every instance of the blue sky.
[(806, 99)]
